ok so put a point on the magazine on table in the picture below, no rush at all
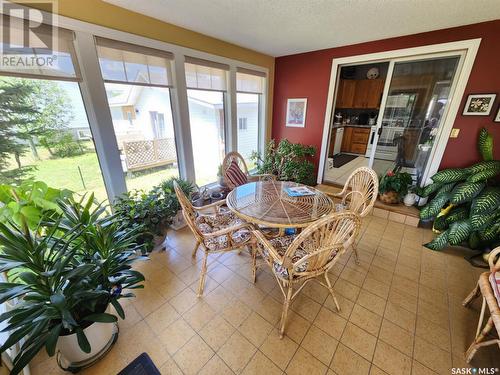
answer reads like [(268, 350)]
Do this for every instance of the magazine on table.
[(299, 191)]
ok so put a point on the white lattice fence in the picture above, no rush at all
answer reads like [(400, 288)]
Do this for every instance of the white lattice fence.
[(147, 154)]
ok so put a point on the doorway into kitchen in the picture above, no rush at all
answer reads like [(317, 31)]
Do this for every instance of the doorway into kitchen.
[(393, 110), (357, 107)]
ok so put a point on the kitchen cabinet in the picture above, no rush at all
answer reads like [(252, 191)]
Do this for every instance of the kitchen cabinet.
[(355, 139), (361, 93), (345, 96)]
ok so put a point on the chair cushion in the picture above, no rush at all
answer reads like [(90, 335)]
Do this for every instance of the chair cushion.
[(235, 175), (281, 244), (212, 223), (339, 207), (495, 285)]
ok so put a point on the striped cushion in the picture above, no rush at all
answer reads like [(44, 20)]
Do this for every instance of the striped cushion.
[(235, 175), (495, 285)]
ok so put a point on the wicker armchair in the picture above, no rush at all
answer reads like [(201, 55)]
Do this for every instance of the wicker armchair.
[(236, 157), (217, 232), (359, 194), (485, 287), (297, 259)]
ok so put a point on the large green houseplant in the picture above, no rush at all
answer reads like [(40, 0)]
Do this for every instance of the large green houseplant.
[(150, 211), (64, 274), (287, 161), (463, 202)]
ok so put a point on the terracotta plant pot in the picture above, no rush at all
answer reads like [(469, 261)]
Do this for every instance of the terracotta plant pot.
[(389, 197)]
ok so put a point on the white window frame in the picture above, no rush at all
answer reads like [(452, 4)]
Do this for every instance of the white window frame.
[(98, 112), (469, 48)]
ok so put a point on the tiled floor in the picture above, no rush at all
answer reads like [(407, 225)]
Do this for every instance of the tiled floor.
[(340, 175), (401, 313)]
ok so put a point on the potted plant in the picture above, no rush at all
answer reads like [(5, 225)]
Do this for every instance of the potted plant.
[(151, 211), (463, 202), (393, 186), (287, 161), (63, 278)]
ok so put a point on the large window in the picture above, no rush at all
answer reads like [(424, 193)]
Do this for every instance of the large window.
[(250, 87), (138, 82), (206, 84), (44, 131)]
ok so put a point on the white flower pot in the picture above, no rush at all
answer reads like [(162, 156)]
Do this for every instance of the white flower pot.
[(410, 199), (100, 336)]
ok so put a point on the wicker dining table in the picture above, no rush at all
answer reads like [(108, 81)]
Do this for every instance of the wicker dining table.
[(267, 203)]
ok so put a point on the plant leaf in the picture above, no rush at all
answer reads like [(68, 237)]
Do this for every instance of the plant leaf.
[(50, 344), (83, 343), (101, 318)]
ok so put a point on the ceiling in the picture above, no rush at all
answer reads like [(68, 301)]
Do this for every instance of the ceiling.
[(284, 27)]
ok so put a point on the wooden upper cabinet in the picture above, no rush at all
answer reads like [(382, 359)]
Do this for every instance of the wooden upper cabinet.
[(362, 93), (345, 96)]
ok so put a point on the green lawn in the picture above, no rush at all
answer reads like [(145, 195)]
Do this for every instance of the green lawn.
[(64, 173)]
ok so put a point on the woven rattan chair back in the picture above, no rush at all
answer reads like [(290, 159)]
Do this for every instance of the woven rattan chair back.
[(360, 191), (321, 243), (228, 159), (188, 211)]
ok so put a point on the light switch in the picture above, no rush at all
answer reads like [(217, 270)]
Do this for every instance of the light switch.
[(454, 133)]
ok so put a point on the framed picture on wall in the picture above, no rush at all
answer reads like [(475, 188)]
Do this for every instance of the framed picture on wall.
[(497, 117), (296, 112), (479, 104)]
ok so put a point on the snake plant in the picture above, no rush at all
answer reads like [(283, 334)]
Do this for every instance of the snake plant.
[(464, 202)]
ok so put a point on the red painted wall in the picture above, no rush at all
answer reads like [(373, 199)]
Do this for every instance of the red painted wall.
[(307, 75)]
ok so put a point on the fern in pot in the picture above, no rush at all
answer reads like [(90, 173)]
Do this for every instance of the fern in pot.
[(64, 276)]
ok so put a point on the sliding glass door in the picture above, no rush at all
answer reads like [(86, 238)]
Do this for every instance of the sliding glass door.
[(415, 107)]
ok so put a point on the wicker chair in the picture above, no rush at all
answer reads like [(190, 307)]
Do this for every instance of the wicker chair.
[(484, 287), (296, 260), (359, 194), (217, 232), (236, 157)]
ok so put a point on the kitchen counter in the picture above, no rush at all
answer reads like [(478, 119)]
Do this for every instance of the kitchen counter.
[(351, 126)]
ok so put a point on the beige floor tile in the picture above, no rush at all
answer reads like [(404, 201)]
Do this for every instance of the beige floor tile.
[(433, 333), (237, 352), (176, 335), (400, 316), (434, 314), (184, 301), (320, 345), (304, 363), (280, 351), (420, 369), (371, 302), (270, 309), (255, 329), (216, 366), (346, 305), (346, 289), (359, 341), (353, 276), (199, 315), (391, 360), (330, 322), (316, 292), (193, 356), (296, 326), (112, 363), (305, 307), (366, 319), (260, 364), (347, 362), (432, 356), (236, 312), (376, 287), (210, 284), (161, 318), (170, 368), (219, 298), (216, 332), (397, 337), (374, 370)]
